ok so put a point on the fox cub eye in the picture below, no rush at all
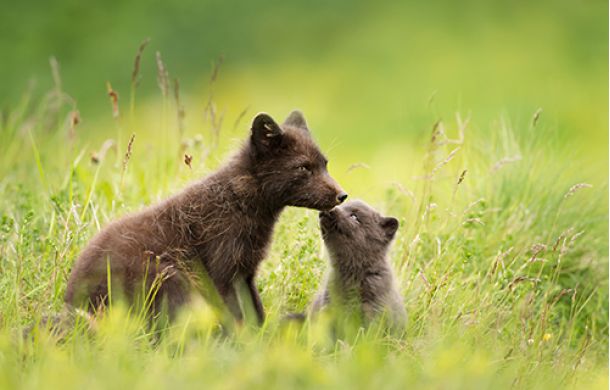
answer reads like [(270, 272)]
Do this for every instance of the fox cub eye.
[(303, 168), (354, 217)]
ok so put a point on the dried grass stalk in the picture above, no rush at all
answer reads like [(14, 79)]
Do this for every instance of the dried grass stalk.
[(575, 188), (188, 159), (505, 161), (97, 157), (114, 100), (162, 76), (180, 113), (135, 79), (74, 121), (536, 117)]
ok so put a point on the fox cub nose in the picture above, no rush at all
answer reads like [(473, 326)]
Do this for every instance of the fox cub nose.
[(341, 197)]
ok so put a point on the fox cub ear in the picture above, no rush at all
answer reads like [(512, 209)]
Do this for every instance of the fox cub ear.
[(265, 132), (296, 119), (390, 226)]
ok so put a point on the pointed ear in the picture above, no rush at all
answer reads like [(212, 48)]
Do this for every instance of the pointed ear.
[(390, 226), (266, 134), (296, 119)]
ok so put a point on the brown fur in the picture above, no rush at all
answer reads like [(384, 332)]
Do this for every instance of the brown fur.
[(223, 223), (360, 279)]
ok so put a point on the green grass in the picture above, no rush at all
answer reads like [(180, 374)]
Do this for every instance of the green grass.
[(503, 268)]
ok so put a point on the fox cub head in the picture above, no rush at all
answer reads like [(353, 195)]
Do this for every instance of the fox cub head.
[(289, 166), (356, 231)]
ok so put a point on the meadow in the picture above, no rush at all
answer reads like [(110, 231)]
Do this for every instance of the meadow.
[(499, 179)]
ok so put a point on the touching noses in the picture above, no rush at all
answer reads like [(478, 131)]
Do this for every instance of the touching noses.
[(341, 197)]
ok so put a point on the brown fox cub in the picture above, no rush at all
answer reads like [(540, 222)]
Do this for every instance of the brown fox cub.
[(222, 223), (360, 279)]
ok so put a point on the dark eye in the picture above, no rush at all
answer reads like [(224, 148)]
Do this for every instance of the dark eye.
[(304, 168), (354, 217)]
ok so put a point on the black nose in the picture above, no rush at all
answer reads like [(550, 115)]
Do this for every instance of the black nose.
[(341, 197)]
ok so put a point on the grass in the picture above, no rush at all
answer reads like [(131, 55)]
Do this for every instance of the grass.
[(501, 257)]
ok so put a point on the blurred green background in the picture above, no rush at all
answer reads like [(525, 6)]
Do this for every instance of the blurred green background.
[(367, 74), (372, 79)]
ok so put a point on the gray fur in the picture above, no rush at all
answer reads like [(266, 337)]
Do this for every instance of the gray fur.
[(360, 278)]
